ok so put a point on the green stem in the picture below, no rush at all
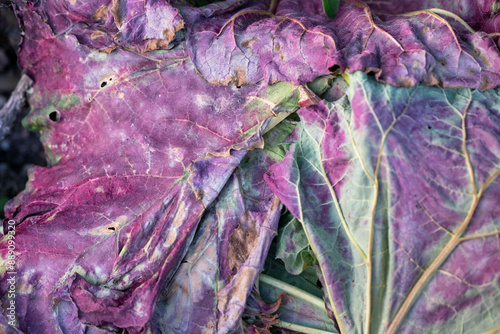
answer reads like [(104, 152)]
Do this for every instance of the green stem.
[(291, 290), (302, 329)]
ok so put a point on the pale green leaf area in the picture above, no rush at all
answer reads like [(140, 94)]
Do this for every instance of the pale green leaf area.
[(397, 190)]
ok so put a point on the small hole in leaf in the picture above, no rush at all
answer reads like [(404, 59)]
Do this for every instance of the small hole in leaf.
[(318, 284), (54, 116), (429, 127), (103, 84), (111, 228), (334, 68), (239, 86)]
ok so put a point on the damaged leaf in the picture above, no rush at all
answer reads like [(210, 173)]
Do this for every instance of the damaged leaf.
[(295, 41), (106, 226), (230, 247), (105, 25)]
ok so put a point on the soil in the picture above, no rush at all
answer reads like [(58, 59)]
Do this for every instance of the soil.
[(20, 149)]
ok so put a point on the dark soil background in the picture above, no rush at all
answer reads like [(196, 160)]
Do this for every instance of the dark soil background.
[(20, 149)]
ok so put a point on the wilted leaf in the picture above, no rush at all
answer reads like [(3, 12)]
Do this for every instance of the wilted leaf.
[(295, 41), (395, 188), (209, 291), (102, 230), (479, 14), (139, 26)]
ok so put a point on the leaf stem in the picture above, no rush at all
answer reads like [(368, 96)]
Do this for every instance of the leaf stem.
[(301, 329), (273, 6), (292, 290), (331, 7)]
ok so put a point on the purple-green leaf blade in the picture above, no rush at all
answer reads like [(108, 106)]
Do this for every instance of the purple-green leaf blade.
[(398, 202)]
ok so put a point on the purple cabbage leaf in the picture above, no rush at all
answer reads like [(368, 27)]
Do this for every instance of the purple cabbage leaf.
[(478, 14), (105, 25), (229, 249), (295, 41), (103, 228)]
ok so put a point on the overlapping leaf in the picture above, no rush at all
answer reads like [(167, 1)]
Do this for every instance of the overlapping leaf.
[(303, 308), (295, 41), (293, 247), (300, 311), (105, 25), (397, 189), (479, 14), (209, 291), (101, 231)]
